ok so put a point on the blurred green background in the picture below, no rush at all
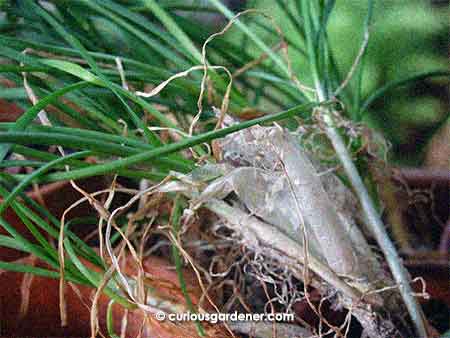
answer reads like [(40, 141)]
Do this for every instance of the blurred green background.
[(406, 37)]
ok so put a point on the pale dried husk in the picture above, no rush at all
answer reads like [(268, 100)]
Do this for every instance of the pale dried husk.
[(278, 190)]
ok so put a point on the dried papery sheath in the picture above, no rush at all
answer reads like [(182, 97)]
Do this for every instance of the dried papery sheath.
[(273, 162), (256, 192), (266, 190), (318, 211), (256, 234)]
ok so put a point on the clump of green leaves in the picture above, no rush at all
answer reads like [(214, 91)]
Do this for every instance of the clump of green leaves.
[(71, 51)]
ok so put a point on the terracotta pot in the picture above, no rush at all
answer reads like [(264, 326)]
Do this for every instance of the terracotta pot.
[(57, 197), (41, 317), (9, 112)]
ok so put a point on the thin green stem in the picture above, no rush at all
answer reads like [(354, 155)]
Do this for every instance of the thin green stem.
[(173, 28), (177, 210), (311, 48), (23, 183), (171, 148), (78, 142), (75, 43), (263, 46), (377, 227), (31, 113), (397, 83)]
